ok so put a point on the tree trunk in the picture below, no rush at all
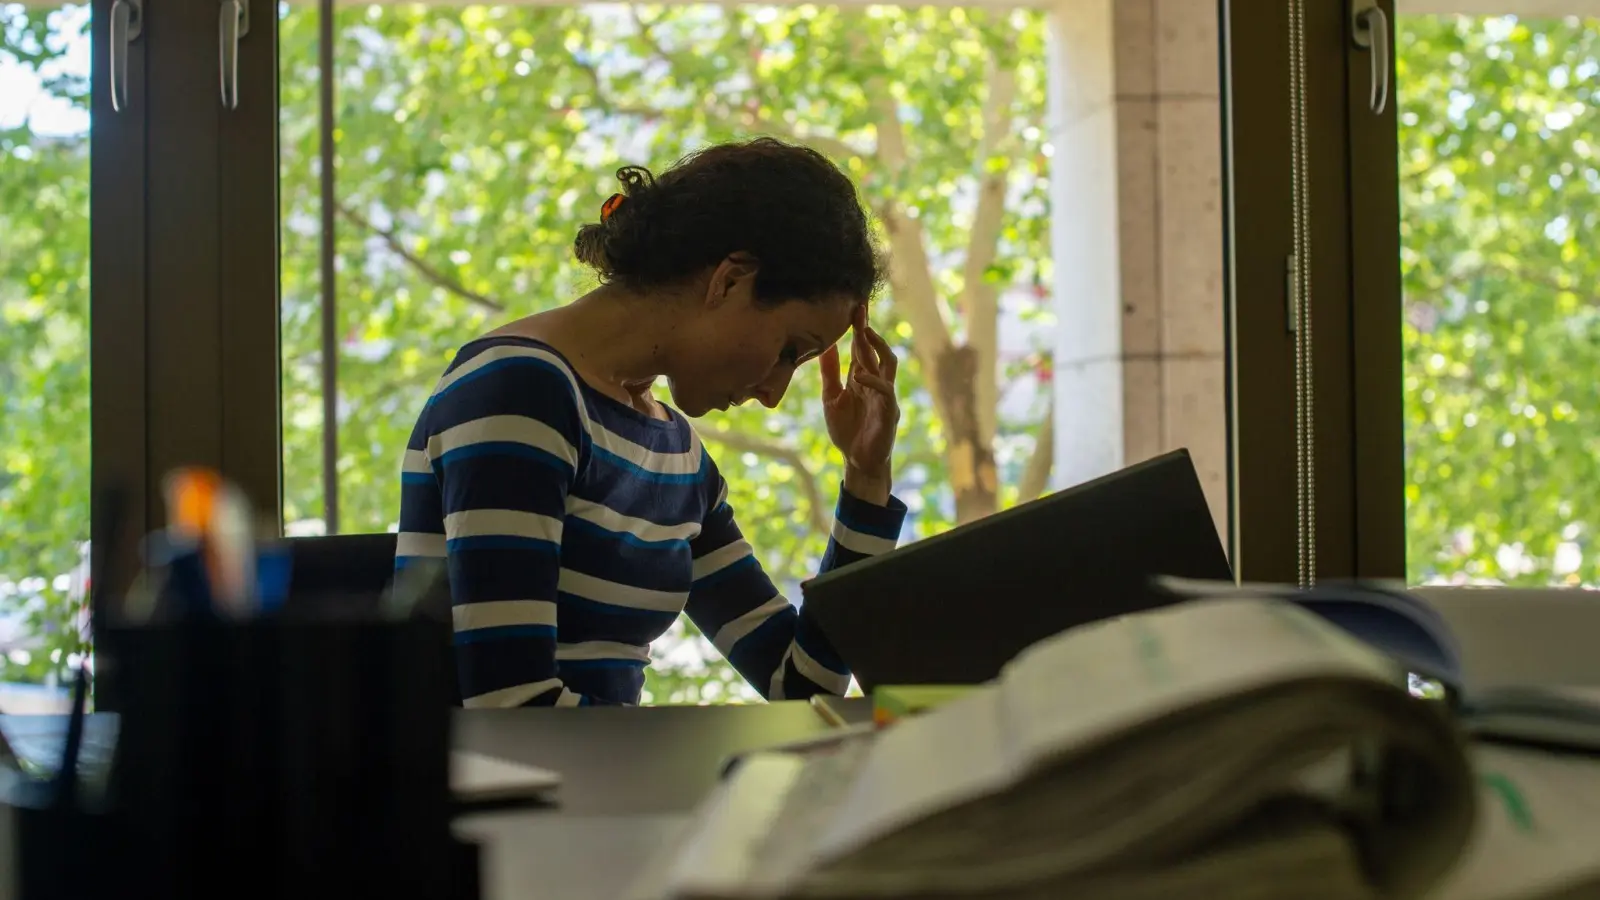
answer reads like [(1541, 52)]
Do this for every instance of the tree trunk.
[(969, 456)]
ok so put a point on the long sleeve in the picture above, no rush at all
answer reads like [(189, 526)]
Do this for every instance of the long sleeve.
[(505, 437), (777, 648)]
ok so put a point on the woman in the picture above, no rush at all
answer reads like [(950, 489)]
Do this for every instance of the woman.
[(580, 515)]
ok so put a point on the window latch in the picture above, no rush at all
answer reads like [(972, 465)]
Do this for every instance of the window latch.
[(232, 25), (1369, 29)]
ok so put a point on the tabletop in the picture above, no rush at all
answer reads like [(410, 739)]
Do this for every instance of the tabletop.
[(633, 760), (632, 775), (630, 778)]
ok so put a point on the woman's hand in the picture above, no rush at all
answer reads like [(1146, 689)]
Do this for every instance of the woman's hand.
[(862, 410)]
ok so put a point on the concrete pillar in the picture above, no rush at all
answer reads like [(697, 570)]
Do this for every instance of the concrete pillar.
[(1138, 237), (1088, 388)]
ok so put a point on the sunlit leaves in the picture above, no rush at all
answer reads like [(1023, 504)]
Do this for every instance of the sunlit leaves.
[(483, 137), (1501, 199), (44, 342), (472, 142)]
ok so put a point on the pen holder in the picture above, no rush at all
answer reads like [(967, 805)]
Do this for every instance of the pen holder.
[(306, 755), (51, 852)]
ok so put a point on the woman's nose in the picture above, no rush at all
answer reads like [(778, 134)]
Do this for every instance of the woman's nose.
[(771, 391)]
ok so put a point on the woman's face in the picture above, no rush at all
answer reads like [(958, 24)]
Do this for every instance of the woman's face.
[(735, 350)]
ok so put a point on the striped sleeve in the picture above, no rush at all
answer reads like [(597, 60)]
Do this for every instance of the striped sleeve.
[(505, 439), (775, 647)]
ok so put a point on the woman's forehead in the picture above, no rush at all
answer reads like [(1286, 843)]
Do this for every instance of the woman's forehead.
[(827, 319)]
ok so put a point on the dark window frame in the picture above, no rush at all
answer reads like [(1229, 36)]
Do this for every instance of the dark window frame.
[(1355, 296), (183, 279)]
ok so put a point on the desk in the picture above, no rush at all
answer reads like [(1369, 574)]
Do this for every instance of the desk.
[(633, 760), (631, 775)]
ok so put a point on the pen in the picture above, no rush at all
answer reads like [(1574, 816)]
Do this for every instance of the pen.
[(825, 710), (274, 573), (233, 552), (66, 785), (831, 738), (8, 757)]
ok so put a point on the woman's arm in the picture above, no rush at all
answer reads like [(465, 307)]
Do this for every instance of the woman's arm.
[(777, 648), (504, 436)]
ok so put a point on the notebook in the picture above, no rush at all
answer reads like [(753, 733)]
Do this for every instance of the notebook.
[(1411, 630)]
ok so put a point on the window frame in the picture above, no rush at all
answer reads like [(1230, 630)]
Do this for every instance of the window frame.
[(183, 323), (1375, 349), (1258, 243), (118, 418), (1358, 437)]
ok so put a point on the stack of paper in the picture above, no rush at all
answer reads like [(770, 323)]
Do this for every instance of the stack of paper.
[(1230, 747)]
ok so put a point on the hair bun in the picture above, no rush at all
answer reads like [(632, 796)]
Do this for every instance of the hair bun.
[(635, 180), (590, 248), (600, 244)]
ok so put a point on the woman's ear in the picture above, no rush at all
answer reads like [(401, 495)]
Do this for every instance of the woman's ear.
[(733, 278)]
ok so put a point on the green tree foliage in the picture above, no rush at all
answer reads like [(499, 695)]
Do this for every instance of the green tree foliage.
[(473, 142), (1500, 189), (44, 349)]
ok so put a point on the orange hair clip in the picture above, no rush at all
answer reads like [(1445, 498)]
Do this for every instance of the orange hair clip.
[(610, 206)]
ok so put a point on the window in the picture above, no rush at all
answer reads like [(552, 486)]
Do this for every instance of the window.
[(1500, 193), (1059, 176), (44, 346), (472, 142)]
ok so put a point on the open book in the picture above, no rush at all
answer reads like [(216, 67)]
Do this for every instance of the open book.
[(1236, 747), (1406, 626)]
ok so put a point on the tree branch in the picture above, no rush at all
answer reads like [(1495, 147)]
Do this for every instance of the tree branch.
[(748, 119), (1481, 271), (1035, 478), (979, 302), (910, 274), (421, 266), (603, 98), (647, 33), (739, 442)]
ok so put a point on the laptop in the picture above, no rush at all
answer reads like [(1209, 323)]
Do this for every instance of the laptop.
[(955, 608)]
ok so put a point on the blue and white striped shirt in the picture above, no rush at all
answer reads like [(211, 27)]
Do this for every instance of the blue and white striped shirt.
[(577, 528)]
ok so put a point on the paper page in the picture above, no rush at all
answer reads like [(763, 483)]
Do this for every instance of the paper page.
[(474, 776), (1559, 700), (1559, 716), (718, 853), (918, 766), (1385, 615), (1103, 678), (1581, 696), (1538, 827), (1085, 684)]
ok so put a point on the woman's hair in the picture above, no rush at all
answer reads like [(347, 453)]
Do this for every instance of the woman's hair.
[(787, 206)]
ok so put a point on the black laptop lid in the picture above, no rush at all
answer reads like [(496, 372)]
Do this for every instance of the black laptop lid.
[(954, 608)]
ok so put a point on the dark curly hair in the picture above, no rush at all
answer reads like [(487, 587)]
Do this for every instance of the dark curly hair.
[(787, 206)]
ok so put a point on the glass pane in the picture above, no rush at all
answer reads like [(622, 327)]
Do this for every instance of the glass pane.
[(44, 348), (1499, 131), (473, 142)]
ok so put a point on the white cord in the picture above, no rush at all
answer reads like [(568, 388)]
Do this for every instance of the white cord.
[(1305, 370)]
